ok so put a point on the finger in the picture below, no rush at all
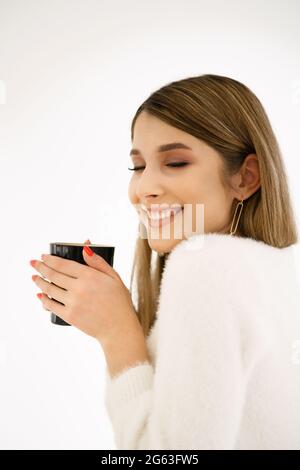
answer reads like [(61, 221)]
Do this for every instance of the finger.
[(54, 276), (64, 266), (54, 307), (88, 242), (51, 289), (96, 261)]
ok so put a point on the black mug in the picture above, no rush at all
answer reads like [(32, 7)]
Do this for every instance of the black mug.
[(73, 251)]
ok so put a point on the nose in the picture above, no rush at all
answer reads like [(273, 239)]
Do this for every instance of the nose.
[(148, 186)]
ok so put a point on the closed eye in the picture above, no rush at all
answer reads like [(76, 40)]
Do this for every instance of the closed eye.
[(177, 164)]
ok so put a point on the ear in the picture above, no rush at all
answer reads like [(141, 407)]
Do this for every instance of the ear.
[(247, 181)]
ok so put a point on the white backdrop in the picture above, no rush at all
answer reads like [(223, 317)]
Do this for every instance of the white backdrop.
[(72, 74)]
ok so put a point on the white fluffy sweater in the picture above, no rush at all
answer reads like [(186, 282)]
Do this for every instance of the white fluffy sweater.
[(225, 353)]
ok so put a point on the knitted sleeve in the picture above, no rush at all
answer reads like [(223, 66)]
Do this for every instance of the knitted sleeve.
[(207, 344)]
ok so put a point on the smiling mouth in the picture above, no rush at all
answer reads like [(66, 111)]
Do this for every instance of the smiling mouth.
[(163, 213), (160, 219)]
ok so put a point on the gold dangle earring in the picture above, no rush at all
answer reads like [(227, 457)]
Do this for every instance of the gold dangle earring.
[(241, 205)]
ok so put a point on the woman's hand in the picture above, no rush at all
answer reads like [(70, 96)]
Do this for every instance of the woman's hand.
[(92, 298)]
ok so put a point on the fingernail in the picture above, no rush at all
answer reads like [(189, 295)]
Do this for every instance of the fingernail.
[(88, 250), (32, 262), (39, 295)]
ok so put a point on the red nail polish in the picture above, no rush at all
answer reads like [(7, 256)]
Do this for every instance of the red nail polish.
[(33, 277), (32, 262), (88, 250), (39, 295)]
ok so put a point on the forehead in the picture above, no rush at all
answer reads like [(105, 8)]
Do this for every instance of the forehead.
[(150, 132)]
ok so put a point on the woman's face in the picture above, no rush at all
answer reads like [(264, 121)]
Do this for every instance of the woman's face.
[(196, 186)]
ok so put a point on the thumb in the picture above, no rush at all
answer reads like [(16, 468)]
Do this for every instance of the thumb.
[(97, 262)]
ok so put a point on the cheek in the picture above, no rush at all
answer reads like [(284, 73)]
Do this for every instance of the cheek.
[(213, 197), (132, 192), (205, 184), (205, 188), (196, 187)]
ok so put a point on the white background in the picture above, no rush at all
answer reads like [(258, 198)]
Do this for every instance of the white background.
[(72, 74)]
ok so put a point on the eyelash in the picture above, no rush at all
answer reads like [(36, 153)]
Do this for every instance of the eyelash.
[(174, 165)]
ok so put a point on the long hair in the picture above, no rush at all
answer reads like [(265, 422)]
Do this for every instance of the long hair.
[(226, 115)]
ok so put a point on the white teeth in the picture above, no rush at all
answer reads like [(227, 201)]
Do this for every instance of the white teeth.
[(157, 215), (163, 214)]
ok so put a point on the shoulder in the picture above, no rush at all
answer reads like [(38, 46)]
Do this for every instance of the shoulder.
[(220, 250), (217, 271), (206, 264), (215, 256), (210, 285)]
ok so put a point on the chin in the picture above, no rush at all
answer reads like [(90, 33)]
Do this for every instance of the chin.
[(163, 246)]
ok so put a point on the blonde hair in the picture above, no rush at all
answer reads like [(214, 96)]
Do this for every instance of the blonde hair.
[(226, 115)]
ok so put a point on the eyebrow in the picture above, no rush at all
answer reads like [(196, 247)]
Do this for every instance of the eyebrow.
[(163, 148)]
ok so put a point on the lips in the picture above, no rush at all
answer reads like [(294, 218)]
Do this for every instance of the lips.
[(163, 213), (161, 210), (160, 218)]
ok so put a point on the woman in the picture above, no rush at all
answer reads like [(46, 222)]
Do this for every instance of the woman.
[(220, 310), (221, 340)]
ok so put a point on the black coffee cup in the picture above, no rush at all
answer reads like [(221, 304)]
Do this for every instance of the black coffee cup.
[(73, 251)]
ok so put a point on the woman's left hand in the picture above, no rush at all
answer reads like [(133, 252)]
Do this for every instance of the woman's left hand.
[(93, 297)]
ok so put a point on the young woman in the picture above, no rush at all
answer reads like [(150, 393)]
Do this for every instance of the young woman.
[(219, 310), (222, 333)]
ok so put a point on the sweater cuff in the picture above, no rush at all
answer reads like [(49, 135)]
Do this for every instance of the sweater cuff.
[(128, 384)]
